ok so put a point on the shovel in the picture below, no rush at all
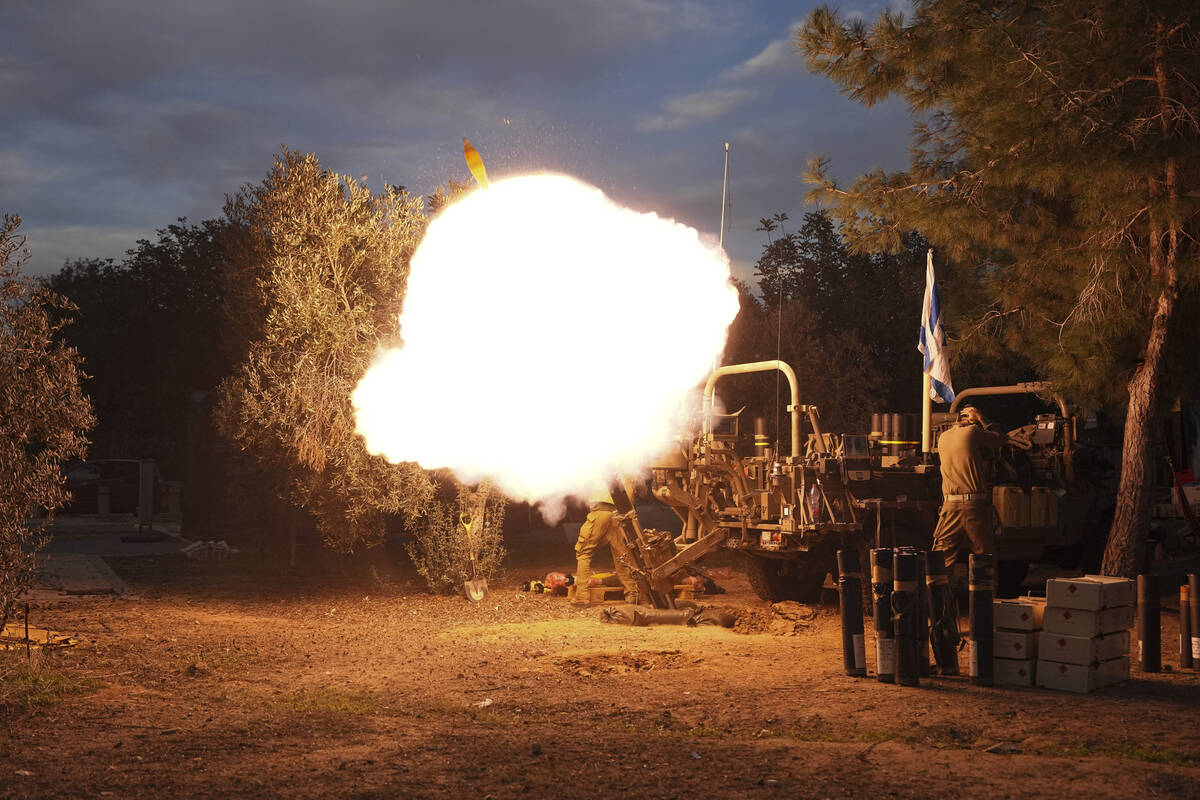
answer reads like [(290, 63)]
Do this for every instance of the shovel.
[(476, 588)]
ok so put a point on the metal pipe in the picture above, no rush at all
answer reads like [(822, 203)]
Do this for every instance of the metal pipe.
[(760, 366), (816, 426), (926, 413), (1031, 387)]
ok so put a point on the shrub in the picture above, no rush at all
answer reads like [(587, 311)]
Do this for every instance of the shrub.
[(441, 550)]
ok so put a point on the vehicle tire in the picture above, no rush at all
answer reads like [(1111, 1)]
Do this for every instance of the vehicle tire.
[(1010, 576), (800, 578)]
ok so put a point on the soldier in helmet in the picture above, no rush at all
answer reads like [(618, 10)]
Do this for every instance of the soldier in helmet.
[(599, 529), (966, 490)]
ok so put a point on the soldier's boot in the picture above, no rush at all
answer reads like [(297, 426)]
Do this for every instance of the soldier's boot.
[(943, 629), (583, 574)]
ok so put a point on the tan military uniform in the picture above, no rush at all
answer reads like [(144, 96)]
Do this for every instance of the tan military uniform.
[(966, 493), (601, 529)]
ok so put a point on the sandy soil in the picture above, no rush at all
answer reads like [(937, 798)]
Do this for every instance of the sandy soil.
[(242, 679)]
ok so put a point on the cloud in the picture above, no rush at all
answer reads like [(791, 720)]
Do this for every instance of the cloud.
[(52, 246), (777, 58), (690, 109), (125, 115)]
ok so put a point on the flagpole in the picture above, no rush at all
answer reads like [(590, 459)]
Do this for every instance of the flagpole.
[(724, 185), (926, 413), (926, 400), (721, 236)]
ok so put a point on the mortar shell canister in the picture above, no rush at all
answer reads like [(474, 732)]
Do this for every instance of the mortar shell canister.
[(1194, 616), (850, 596), (1149, 622), (904, 608), (1185, 628), (981, 641), (881, 593)]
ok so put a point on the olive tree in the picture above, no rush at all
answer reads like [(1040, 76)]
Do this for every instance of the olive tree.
[(44, 414), (318, 265)]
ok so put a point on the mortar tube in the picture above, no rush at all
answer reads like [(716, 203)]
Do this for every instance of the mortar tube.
[(1185, 628), (881, 593), (981, 644), (1149, 622), (854, 656), (904, 604), (1194, 617)]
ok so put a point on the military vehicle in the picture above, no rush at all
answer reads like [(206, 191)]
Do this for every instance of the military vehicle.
[(790, 511), (1054, 484)]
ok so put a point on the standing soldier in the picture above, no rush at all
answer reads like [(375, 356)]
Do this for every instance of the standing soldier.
[(600, 528), (966, 491)]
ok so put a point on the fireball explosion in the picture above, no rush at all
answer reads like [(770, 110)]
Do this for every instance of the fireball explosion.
[(552, 340)]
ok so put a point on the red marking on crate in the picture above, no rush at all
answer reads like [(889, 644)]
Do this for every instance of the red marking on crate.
[(1024, 616), (1021, 672), (1062, 642), (1071, 587), (1062, 668), (1017, 645), (1066, 615)]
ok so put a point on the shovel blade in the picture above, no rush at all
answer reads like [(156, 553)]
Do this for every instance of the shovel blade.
[(475, 590)]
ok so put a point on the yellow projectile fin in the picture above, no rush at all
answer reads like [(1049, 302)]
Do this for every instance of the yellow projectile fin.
[(475, 164)]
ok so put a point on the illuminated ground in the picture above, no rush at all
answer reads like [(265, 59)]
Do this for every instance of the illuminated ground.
[(234, 679)]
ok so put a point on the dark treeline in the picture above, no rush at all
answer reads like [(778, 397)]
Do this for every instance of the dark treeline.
[(846, 322), (148, 330), (153, 331)]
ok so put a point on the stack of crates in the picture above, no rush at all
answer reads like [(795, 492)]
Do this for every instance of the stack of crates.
[(1084, 643), (1018, 623)]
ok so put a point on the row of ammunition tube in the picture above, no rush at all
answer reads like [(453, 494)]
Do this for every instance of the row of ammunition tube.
[(1149, 603), (915, 615)]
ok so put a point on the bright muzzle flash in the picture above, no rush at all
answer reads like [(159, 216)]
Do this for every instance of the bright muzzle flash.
[(551, 340)]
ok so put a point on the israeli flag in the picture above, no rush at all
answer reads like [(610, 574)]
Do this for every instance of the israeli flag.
[(937, 366)]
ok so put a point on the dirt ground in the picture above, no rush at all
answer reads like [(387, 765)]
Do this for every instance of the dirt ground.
[(240, 678)]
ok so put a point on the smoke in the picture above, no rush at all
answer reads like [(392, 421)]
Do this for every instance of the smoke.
[(551, 340)]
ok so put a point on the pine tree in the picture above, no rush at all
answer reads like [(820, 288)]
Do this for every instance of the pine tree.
[(1056, 161)]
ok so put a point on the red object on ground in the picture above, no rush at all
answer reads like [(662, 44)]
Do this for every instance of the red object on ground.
[(558, 580)]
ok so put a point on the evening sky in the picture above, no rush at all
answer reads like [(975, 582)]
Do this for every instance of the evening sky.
[(121, 116)]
